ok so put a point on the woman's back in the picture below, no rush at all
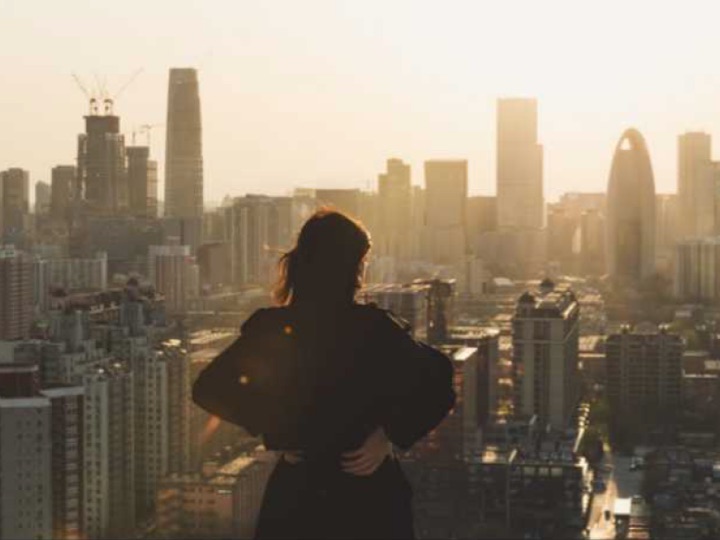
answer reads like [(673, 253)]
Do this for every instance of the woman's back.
[(320, 381)]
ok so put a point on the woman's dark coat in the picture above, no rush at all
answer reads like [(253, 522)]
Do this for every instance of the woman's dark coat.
[(320, 381)]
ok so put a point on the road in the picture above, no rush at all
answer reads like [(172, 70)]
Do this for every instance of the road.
[(621, 483)]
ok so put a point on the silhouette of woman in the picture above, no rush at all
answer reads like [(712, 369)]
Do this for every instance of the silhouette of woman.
[(333, 385)]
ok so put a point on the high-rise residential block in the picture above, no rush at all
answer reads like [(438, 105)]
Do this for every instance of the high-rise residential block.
[(15, 184), (109, 491), (183, 147), (545, 339), (520, 200), (644, 376), (25, 455), (68, 275), (173, 272), (15, 293), (67, 435), (630, 236)]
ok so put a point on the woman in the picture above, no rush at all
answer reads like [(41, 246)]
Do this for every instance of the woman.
[(332, 384)]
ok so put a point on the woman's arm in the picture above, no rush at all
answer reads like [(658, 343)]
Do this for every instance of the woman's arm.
[(225, 390), (419, 387)]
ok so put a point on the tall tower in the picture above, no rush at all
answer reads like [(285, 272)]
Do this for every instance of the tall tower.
[(630, 229), (520, 202), (183, 146)]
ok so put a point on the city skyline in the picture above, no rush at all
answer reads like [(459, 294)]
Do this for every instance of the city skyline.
[(309, 115)]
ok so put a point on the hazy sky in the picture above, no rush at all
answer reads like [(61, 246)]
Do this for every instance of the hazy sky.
[(320, 93)]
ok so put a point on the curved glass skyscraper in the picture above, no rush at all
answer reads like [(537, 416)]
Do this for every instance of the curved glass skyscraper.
[(631, 211), (183, 147)]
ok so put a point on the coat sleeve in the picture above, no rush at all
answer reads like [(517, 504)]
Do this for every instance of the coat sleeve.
[(419, 388), (223, 389)]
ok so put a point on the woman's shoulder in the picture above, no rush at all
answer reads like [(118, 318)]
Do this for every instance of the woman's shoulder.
[(265, 320), (383, 318)]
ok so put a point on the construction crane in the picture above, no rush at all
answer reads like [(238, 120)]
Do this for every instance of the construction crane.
[(92, 98), (101, 94)]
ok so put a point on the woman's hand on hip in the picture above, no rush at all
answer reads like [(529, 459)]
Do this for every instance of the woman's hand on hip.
[(365, 460)]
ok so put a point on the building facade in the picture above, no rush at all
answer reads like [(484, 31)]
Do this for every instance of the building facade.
[(545, 354)]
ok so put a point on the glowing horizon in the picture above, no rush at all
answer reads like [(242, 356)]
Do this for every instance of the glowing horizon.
[(321, 93)]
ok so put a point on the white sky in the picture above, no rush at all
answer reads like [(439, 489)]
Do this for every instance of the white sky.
[(320, 93)]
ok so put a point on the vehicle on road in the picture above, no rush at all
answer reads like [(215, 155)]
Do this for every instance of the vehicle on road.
[(599, 486)]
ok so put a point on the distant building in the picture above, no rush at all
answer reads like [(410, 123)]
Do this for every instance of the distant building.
[(62, 190), (520, 200), (68, 275), (545, 354), (42, 198), (445, 225), (174, 273), (183, 146), (26, 493), (630, 240), (345, 200), (481, 218), (15, 184), (260, 227), (697, 178), (697, 269), (142, 182), (15, 294), (644, 376), (408, 301), (220, 502), (394, 228), (215, 264)]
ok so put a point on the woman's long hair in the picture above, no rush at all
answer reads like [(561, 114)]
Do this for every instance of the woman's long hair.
[(326, 264)]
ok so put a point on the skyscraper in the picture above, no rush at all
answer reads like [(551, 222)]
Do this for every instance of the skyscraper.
[(62, 189), (695, 184), (630, 240), (15, 202), (395, 219), (42, 198), (520, 202), (446, 188), (142, 182), (102, 177), (183, 147)]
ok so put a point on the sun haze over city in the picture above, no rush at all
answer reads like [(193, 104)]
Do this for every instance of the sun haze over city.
[(321, 92)]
